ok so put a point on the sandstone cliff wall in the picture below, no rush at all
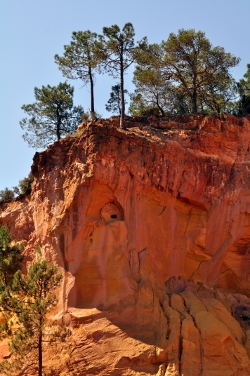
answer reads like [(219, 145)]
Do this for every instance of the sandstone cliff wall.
[(152, 228)]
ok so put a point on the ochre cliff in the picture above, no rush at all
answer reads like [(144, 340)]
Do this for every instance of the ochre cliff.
[(151, 226)]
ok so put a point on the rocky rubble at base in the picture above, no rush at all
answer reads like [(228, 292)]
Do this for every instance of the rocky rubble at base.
[(198, 335)]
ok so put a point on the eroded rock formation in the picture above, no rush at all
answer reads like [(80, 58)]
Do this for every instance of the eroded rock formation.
[(151, 226)]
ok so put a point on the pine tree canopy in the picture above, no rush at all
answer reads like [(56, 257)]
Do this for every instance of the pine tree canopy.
[(52, 116), (185, 74)]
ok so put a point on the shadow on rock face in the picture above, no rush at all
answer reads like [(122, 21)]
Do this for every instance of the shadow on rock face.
[(242, 314), (175, 285), (112, 211)]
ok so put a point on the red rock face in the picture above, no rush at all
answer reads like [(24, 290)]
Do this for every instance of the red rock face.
[(152, 228)]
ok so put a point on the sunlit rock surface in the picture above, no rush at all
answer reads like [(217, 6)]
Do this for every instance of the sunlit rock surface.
[(151, 226)]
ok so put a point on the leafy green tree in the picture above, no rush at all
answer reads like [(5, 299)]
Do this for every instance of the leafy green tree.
[(114, 103), (119, 48), (81, 59), (244, 92), (28, 301), (187, 72), (52, 116)]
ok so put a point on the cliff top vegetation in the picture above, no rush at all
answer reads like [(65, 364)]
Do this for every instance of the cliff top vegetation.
[(184, 74)]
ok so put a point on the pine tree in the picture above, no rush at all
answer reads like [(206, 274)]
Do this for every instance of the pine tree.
[(114, 103), (26, 303), (119, 47), (185, 74), (81, 59), (52, 116), (244, 91)]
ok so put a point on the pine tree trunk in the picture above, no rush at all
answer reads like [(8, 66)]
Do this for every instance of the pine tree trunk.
[(92, 103), (58, 125), (194, 94), (194, 102), (159, 107), (122, 89), (119, 101), (40, 354), (58, 133)]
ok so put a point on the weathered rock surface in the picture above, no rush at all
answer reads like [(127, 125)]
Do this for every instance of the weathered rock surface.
[(152, 229)]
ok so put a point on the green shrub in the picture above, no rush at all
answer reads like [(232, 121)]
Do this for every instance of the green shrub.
[(4, 237), (23, 187), (6, 195), (10, 259)]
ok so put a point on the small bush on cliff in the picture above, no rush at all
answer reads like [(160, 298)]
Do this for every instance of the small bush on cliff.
[(24, 185), (10, 261), (23, 188), (6, 195)]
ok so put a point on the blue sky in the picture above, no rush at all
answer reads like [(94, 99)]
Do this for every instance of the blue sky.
[(32, 31)]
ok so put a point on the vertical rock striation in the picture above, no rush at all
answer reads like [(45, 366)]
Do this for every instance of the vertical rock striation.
[(151, 226)]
